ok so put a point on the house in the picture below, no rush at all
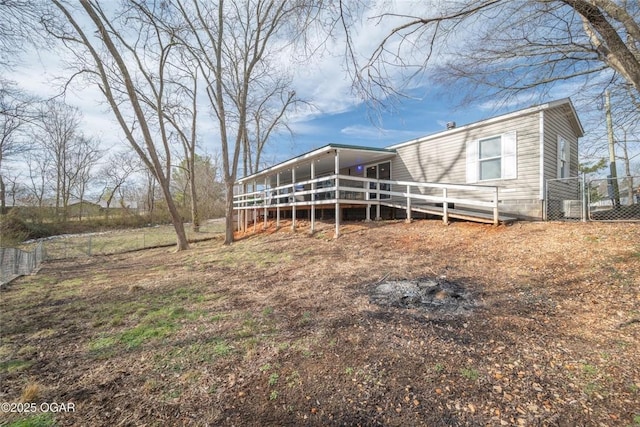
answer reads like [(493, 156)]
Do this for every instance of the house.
[(83, 209), (489, 171)]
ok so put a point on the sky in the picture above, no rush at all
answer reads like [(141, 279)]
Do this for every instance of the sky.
[(339, 116)]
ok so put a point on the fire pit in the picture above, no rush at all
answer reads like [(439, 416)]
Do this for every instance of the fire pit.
[(437, 295)]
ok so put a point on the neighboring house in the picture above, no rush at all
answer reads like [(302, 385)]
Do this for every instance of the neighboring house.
[(83, 209), (490, 171)]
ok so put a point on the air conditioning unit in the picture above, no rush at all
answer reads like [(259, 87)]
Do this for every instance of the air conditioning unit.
[(572, 209)]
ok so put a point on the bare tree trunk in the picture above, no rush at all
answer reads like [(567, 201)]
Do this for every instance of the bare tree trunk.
[(231, 59), (108, 36), (610, 46), (195, 218), (3, 202), (229, 223)]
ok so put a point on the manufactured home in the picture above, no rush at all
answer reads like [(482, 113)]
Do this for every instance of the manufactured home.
[(491, 171)]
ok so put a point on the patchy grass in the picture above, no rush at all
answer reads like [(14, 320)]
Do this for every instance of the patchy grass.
[(279, 329), (119, 241), (40, 420), (13, 366)]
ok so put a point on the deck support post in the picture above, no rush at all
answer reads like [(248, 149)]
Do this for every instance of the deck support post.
[(278, 201), (245, 216), (264, 203), (337, 192), (378, 215), (496, 218), (255, 206), (445, 207), (239, 207), (367, 196), (246, 212), (313, 198), (408, 203), (293, 198)]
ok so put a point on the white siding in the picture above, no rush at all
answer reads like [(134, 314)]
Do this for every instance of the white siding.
[(444, 160), (451, 157)]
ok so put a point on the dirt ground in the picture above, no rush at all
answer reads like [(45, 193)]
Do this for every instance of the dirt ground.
[(281, 329)]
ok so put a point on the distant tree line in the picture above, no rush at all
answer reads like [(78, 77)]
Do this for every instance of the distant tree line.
[(48, 166)]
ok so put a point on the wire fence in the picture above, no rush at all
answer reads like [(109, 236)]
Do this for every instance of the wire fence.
[(606, 199), (17, 262), (107, 244), (614, 199)]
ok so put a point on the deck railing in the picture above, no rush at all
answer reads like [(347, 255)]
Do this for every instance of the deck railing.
[(346, 189)]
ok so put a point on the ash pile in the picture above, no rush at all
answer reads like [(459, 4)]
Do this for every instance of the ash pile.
[(437, 295)]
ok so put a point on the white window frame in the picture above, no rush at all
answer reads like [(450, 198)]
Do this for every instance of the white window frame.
[(384, 187), (508, 158), (564, 157)]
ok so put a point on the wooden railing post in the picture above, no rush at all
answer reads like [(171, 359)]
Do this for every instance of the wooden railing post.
[(245, 219), (293, 199), (255, 206), (445, 207), (496, 217), (278, 201), (313, 197), (337, 195), (264, 202), (408, 203)]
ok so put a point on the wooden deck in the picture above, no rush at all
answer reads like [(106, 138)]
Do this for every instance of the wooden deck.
[(461, 214), (479, 203)]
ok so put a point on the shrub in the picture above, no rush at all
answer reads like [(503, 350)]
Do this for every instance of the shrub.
[(13, 229)]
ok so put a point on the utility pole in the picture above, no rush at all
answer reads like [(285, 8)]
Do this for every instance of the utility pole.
[(614, 191)]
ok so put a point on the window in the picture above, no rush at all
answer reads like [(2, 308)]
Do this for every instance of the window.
[(563, 158), (492, 158)]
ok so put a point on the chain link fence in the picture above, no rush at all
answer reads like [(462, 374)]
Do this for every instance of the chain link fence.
[(606, 199), (78, 246), (16, 262), (565, 199), (614, 199)]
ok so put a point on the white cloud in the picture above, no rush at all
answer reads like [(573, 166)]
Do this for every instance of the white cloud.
[(324, 80), (382, 134)]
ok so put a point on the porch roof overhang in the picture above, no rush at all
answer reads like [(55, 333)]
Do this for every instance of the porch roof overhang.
[(324, 159)]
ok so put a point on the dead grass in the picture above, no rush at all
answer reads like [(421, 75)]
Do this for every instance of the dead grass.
[(279, 329), (31, 392)]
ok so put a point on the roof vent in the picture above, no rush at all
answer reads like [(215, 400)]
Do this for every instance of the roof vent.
[(451, 125)]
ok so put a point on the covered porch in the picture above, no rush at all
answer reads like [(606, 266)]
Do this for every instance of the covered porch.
[(339, 177)]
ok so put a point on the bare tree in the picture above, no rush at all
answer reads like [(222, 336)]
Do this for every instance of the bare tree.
[(150, 195), (206, 183), (184, 118), (14, 117), (118, 168), (129, 68), (83, 157), (57, 136), (209, 186), (265, 116), (38, 168), (18, 20), (15, 190), (511, 46), (232, 43)]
